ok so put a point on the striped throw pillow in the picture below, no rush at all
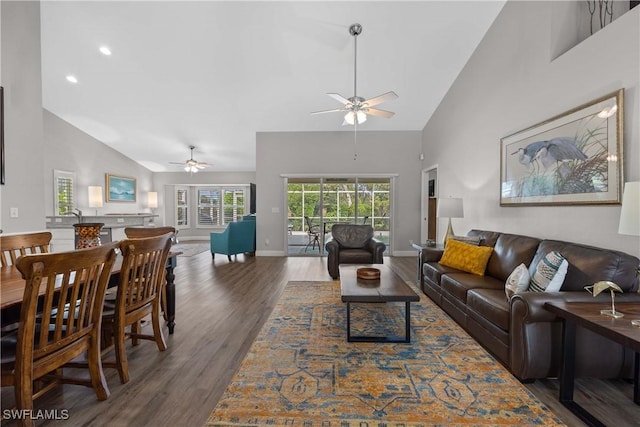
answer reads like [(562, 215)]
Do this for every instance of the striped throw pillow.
[(549, 274)]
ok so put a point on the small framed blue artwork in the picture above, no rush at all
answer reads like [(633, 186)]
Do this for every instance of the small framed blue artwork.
[(121, 189)]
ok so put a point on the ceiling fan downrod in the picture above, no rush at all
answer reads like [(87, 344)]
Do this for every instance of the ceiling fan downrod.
[(355, 30)]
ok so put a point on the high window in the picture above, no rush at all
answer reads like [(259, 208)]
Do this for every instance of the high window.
[(64, 192), (182, 207)]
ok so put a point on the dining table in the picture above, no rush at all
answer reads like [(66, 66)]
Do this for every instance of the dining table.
[(12, 289)]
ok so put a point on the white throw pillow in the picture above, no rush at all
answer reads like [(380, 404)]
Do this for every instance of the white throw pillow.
[(549, 274), (518, 281)]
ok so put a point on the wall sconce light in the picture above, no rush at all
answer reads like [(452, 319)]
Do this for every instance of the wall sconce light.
[(95, 197)]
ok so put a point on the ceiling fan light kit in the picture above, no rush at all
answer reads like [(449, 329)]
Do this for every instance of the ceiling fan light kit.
[(192, 166), (356, 108)]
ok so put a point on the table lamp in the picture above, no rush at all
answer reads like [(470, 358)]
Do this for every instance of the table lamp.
[(152, 202), (630, 213), (630, 216), (450, 208), (95, 197)]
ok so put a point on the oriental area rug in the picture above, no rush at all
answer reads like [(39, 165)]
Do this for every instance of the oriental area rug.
[(301, 371)]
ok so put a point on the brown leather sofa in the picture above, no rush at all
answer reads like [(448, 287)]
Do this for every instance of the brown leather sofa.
[(520, 332), (352, 244)]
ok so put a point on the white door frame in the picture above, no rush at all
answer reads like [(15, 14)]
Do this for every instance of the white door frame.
[(424, 201)]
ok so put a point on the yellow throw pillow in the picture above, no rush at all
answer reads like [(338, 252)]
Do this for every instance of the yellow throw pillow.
[(466, 257)]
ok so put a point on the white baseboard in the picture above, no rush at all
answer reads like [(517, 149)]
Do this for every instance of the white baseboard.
[(193, 238), (270, 253), (405, 253)]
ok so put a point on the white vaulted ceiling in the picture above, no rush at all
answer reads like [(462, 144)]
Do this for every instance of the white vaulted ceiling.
[(212, 74)]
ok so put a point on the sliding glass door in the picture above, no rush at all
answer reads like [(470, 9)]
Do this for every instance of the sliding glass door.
[(315, 204)]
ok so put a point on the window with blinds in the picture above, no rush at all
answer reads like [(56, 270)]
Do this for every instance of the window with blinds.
[(182, 207), (218, 206), (64, 192)]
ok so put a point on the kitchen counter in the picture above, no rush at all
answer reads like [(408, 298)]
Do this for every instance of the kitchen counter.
[(109, 221)]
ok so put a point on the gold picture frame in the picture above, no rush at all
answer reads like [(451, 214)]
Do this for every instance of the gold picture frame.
[(573, 158)]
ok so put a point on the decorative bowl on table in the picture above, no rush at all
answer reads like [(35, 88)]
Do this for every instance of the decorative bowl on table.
[(367, 273)]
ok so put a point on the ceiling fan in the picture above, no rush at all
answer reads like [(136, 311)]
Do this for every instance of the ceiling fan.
[(356, 107), (192, 165)]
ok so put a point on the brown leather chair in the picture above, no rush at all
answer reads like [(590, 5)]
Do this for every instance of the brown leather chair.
[(11, 247), (68, 326), (352, 244), (141, 282)]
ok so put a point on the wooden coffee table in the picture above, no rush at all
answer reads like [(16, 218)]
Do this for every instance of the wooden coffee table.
[(389, 288), (587, 315)]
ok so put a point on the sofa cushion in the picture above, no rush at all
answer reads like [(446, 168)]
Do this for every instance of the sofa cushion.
[(355, 256), (472, 240), (518, 281), (351, 235), (457, 284), (490, 304), (487, 238), (549, 273), (509, 251), (588, 265), (434, 271), (466, 257)]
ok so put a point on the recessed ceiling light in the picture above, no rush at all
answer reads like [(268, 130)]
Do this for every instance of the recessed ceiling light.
[(105, 50), (71, 78)]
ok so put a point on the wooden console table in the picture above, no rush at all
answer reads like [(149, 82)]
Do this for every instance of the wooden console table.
[(587, 315)]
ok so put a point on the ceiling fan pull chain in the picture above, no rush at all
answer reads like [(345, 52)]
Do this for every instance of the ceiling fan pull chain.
[(355, 141)]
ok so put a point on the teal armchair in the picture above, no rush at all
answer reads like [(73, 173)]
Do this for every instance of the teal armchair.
[(238, 237)]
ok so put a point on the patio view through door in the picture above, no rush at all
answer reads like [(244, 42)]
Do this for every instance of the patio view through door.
[(315, 204)]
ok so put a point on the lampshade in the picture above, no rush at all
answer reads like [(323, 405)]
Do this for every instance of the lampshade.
[(450, 208), (630, 213), (152, 199), (95, 196), (191, 169)]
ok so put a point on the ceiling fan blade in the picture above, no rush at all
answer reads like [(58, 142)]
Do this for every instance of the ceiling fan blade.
[(176, 163), (337, 110), (379, 113), (389, 96), (339, 98)]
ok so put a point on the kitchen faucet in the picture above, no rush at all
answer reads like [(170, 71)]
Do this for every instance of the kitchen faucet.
[(77, 215)]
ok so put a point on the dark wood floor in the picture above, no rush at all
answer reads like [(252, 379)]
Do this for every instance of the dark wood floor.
[(221, 307)]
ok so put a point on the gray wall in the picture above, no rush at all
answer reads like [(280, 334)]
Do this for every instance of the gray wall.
[(68, 148), (21, 67), (165, 183), (512, 82), (325, 153)]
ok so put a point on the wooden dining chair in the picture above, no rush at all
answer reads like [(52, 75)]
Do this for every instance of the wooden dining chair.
[(138, 295), (11, 247), (60, 319), (141, 232)]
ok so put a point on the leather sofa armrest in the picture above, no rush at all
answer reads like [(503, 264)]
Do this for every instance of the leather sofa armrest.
[(431, 254), (332, 245), (528, 307), (377, 248), (535, 333), (333, 258)]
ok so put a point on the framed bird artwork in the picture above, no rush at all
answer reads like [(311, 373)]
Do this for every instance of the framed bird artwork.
[(573, 158)]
